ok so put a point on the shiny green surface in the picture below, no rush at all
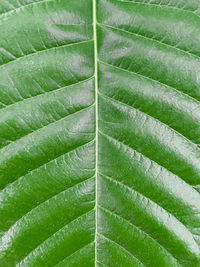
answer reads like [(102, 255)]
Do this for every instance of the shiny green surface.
[(99, 133)]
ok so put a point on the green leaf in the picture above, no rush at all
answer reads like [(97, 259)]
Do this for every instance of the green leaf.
[(99, 133)]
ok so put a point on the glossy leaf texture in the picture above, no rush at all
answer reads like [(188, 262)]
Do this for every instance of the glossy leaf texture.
[(99, 133)]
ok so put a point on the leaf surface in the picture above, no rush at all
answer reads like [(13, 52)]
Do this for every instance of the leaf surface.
[(99, 133)]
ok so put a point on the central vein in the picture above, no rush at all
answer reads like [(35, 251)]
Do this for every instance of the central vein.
[(96, 116)]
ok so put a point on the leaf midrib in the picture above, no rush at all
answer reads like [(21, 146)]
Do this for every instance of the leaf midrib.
[(96, 119)]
